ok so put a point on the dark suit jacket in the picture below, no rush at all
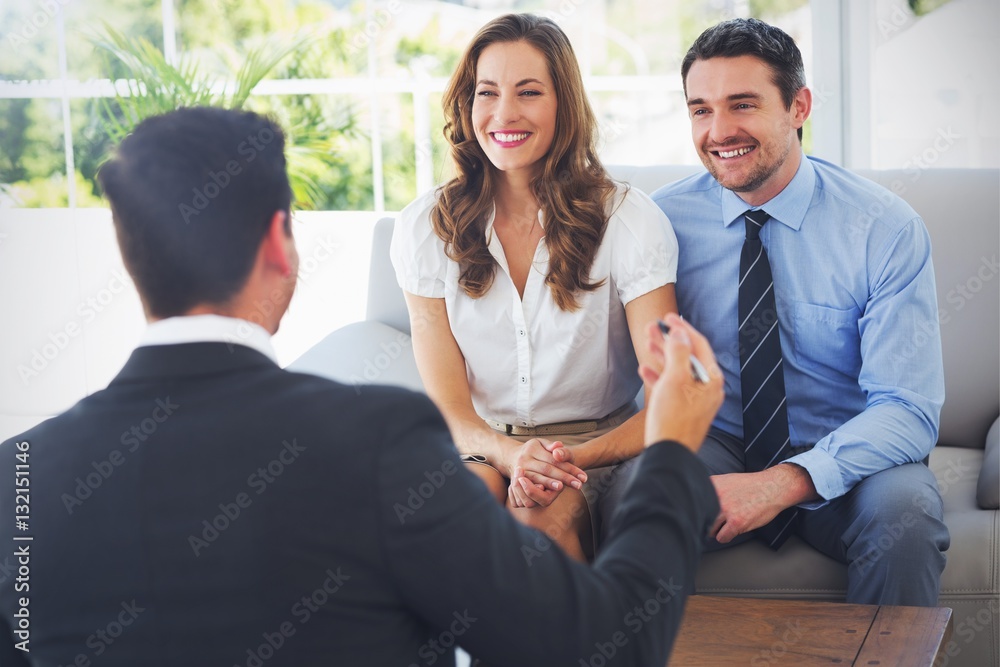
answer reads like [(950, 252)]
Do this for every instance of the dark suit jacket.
[(209, 508)]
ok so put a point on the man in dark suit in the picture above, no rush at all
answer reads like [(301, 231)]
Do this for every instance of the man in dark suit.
[(211, 508)]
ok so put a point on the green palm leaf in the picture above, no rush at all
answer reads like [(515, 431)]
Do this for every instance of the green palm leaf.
[(153, 86)]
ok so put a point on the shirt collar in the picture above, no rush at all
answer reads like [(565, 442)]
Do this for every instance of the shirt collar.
[(493, 242), (787, 207), (492, 216), (208, 329)]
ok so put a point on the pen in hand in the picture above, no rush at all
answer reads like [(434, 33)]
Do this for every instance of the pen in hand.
[(697, 369)]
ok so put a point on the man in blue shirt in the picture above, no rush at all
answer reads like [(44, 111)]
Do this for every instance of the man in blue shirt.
[(854, 291)]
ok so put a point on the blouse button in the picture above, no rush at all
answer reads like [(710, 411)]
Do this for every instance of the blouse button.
[(524, 379)]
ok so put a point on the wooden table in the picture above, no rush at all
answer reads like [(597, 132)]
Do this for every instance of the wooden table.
[(745, 631)]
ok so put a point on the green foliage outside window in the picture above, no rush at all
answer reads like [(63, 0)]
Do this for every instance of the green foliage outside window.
[(330, 152), (328, 148), (156, 87), (921, 7)]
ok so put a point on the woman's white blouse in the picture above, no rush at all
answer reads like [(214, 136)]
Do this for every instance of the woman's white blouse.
[(528, 362)]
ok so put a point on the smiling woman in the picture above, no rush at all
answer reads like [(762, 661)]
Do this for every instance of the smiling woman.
[(529, 277), (510, 112), (522, 70)]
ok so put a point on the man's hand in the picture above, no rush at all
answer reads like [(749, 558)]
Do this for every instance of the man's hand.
[(680, 408), (539, 471), (749, 500)]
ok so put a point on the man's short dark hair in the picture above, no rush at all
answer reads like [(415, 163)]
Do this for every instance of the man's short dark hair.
[(192, 193), (752, 37)]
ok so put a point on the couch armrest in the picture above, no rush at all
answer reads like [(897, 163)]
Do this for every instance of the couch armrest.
[(363, 353), (988, 489)]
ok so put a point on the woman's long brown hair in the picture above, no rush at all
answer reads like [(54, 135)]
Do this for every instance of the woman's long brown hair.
[(573, 189)]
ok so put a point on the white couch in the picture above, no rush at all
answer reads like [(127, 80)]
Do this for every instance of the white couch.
[(962, 211)]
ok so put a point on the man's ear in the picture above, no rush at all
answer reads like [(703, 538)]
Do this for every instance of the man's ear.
[(278, 243), (801, 107)]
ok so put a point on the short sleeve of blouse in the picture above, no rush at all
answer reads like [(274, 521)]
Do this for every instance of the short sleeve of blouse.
[(417, 253), (644, 247)]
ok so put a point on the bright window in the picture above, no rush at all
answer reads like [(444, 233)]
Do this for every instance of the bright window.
[(365, 90), (897, 83)]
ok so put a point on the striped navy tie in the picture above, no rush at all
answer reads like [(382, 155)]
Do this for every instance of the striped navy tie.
[(762, 380)]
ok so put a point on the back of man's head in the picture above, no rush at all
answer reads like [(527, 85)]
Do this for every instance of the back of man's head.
[(192, 194), (752, 37)]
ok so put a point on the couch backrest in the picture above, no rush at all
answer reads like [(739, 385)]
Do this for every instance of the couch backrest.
[(961, 208), (385, 298)]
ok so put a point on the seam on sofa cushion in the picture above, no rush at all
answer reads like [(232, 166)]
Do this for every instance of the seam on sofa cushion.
[(993, 553), (971, 591), (838, 591)]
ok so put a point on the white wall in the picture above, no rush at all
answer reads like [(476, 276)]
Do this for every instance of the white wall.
[(71, 315), (935, 86)]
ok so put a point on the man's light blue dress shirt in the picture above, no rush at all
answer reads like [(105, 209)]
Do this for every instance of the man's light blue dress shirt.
[(854, 287)]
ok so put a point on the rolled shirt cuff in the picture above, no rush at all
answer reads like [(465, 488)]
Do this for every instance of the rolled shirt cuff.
[(825, 475)]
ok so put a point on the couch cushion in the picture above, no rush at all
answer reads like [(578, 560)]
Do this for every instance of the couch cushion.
[(796, 571), (972, 560), (988, 489), (363, 353)]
